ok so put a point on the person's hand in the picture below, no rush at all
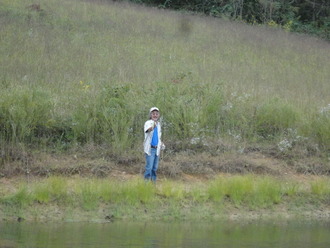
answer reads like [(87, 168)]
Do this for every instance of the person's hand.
[(152, 127)]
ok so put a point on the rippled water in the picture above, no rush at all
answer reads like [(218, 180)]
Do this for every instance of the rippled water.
[(131, 234)]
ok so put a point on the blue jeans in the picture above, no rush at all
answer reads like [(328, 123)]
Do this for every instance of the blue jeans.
[(151, 165)]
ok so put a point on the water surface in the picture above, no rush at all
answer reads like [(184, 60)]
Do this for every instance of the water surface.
[(268, 234)]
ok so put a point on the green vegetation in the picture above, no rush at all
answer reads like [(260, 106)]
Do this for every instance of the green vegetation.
[(248, 191), (166, 200), (76, 73), (77, 79), (303, 16)]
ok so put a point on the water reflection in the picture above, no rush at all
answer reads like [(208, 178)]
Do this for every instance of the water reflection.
[(159, 235)]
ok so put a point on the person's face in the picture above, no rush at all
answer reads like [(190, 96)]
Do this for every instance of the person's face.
[(154, 115)]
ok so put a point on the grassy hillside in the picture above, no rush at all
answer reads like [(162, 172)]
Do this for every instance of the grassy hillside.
[(76, 73)]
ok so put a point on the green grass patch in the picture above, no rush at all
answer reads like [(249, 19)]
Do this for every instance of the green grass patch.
[(238, 188), (136, 192), (20, 199), (138, 199), (252, 191), (321, 187), (53, 189), (267, 192), (172, 190)]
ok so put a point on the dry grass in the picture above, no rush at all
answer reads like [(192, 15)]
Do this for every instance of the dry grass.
[(124, 43)]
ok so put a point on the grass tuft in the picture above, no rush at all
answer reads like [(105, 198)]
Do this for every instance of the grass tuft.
[(321, 187)]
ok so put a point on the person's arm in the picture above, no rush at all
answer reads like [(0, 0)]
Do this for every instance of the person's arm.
[(149, 129), (149, 126)]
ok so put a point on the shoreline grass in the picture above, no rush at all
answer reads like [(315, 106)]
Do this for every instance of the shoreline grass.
[(136, 199)]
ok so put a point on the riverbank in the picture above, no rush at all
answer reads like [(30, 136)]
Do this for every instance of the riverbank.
[(164, 213), (84, 189)]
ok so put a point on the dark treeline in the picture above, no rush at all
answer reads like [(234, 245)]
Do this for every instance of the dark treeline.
[(304, 16)]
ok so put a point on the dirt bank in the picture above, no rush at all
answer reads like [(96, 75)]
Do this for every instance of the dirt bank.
[(187, 168), (98, 162)]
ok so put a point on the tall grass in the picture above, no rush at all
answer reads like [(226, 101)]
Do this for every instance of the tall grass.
[(80, 72), (274, 117)]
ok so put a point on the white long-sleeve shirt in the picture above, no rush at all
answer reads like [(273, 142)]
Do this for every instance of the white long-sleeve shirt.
[(148, 136)]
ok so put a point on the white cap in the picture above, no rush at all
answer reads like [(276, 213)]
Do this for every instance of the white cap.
[(153, 109)]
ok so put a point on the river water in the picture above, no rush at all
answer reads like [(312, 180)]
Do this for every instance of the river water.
[(225, 234)]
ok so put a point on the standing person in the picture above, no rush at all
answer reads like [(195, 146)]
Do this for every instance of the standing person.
[(152, 144)]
